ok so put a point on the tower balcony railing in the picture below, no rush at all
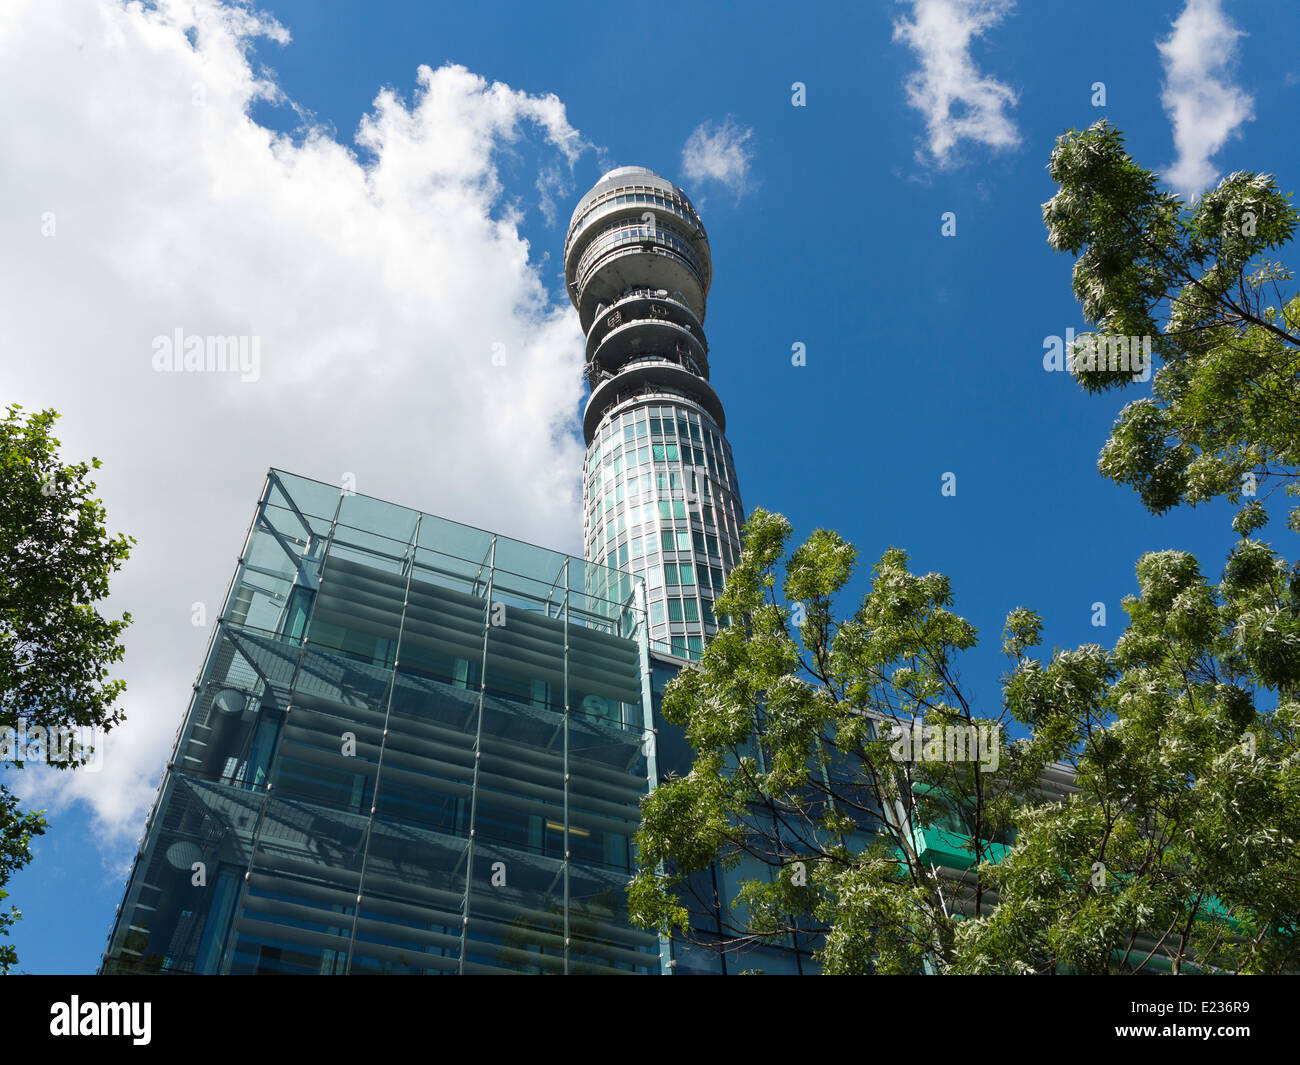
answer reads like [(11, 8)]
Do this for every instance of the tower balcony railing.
[(674, 306), (619, 199), (651, 376), (645, 337), (634, 232), (642, 303)]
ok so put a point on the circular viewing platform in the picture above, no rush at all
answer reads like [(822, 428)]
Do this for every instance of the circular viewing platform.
[(635, 229)]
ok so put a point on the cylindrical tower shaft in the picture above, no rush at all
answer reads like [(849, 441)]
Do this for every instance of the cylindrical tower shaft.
[(660, 494)]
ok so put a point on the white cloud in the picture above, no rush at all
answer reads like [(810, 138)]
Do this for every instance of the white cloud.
[(958, 102), (1203, 105), (721, 153), (378, 290)]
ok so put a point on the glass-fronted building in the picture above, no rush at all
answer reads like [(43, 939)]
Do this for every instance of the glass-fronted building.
[(413, 747), (660, 494)]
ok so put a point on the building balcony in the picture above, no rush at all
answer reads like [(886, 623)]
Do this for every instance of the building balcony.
[(644, 338), (654, 376)]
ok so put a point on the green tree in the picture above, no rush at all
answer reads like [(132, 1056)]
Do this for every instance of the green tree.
[(801, 786), (17, 827), (1223, 416), (56, 649), (1183, 842), (1181, 838)]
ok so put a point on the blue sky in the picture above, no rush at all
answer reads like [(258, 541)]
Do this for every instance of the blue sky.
[(924, 352)]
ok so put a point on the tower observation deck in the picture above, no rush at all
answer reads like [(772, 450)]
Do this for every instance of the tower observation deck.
[(660, 493)]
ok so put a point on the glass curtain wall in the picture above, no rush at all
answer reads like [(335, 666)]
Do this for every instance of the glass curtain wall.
[(414, 747), (663, 502)]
